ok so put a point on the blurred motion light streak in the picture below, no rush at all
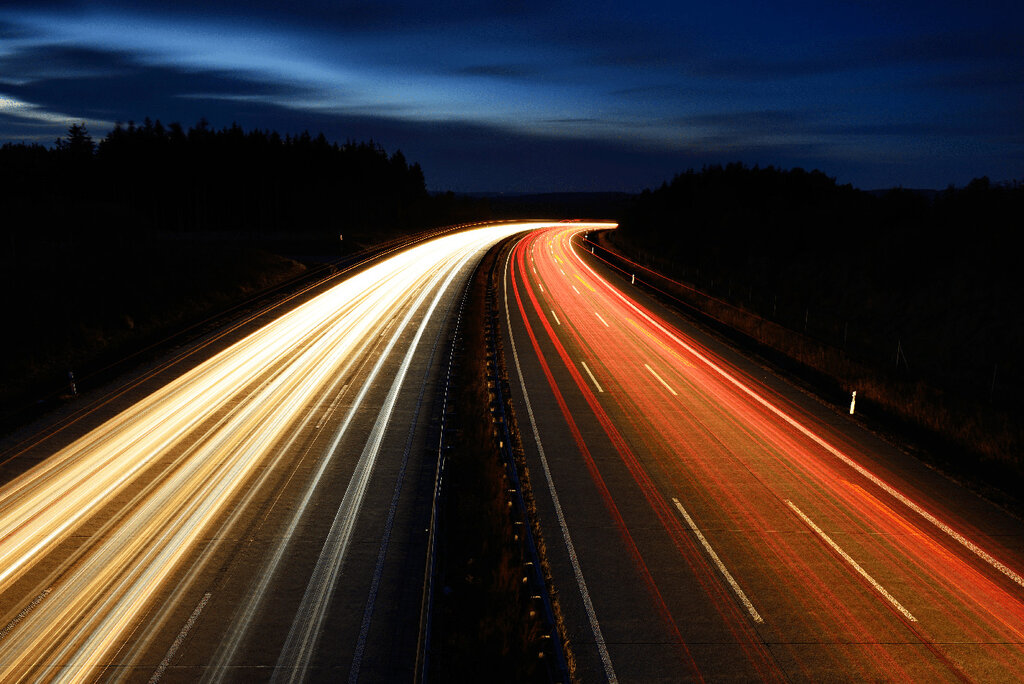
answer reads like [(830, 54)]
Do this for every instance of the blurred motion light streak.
[(141, 491), (740, 453)]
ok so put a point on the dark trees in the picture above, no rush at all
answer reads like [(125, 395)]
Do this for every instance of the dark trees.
[(156, 177)]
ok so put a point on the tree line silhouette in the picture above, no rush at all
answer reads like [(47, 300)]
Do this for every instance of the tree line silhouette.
[(152, 176), (107, 246), (923, 285), (937, 269)]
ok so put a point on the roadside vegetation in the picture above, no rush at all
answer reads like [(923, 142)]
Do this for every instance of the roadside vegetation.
[(107, 247), (911, 298), (489, 622)]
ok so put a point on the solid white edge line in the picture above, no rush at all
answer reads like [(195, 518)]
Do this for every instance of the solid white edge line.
[(602, 320), (864, 472), (721, 566), (667, 386), (588, 605), (863, 573), (592, 378)]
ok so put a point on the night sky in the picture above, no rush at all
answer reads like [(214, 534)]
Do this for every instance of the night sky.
[(548, 96)]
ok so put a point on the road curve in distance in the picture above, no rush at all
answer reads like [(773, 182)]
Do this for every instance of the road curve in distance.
[(706, 520), (260, 516)]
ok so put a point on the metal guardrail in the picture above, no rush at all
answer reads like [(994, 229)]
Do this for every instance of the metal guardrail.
[(551, 649)]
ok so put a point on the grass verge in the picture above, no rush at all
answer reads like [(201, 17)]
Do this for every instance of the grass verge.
[(977, 443), (489, 624)]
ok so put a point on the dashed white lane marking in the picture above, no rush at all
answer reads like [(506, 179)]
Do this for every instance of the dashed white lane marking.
[(179, 640), (588, 605), (602, 320), (721, 566), (667, 386), (330, 411), (863, 573), (25, 611), (592, 378), (575, 290), (885, 486), (555, 316)]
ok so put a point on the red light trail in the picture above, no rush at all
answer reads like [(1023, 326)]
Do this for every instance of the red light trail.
[(815, 555)]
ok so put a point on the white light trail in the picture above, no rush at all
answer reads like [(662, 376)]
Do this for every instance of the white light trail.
[(143, 490)]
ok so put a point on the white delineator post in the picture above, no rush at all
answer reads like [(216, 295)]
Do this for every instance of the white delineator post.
[(853, 401)]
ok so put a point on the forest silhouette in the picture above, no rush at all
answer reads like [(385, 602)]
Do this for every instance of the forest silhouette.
[(156, 177), (110, 245), (911, 296)]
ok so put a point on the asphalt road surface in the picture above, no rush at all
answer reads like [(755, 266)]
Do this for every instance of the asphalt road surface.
[(261, 517), (706, 520)]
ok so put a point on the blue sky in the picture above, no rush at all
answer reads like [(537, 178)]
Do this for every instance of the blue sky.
[(524, 96)]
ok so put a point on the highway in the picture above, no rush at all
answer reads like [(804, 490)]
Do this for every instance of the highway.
[(261, 517), (705, 520)]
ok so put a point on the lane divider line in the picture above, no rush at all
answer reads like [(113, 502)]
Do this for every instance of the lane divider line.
[(296, 656), (588, 604), (864, 472), (574, 289), (179, 640), (592, 378), (856, 566), (721, 566), (24, 611), (602, 320), (555, 316), (330, 410), (667, 386)]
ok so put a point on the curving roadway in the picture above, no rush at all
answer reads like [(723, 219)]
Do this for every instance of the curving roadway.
[(707, 521)]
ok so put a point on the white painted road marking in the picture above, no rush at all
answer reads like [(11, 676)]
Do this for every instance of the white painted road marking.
[(555, 317), (334, 405), (885, 486), (863, 573), (592, 378), (296, 656), (667, 386), (179, 640), (721, 566), (588, 605), (602, 320)]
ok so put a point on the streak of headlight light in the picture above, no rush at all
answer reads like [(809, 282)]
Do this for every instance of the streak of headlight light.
[(245, 614), (305, 630), (43, 506), (94, 467), (125, 539), (254, 597)]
